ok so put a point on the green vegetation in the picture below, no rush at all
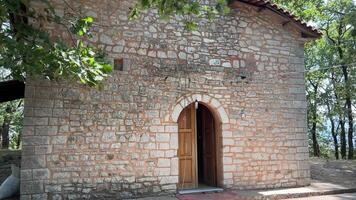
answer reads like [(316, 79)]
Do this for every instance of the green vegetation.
[(11, 117), (27, 50), (330, 76), (188, 9)]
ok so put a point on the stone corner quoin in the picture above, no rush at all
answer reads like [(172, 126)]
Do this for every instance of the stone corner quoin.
[(122, 141)]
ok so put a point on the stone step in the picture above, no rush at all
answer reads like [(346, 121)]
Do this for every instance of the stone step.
[(315, 189), (200, 190)]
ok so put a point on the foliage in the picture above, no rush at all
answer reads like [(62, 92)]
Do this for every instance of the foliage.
[(13, 110), (303, 9), (330, 64), (190, 9), (28, 50)]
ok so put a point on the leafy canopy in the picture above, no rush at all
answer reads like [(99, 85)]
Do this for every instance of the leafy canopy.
[(188, 8), (27, 49)]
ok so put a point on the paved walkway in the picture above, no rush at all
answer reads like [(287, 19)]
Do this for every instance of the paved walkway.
[(313, 190), (346, 196), (341, 172), (328, 178)]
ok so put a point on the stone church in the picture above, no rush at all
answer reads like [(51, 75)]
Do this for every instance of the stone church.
[(223, 107)]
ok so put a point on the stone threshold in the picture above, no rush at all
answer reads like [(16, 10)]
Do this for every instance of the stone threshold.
[(315, 189), (200, 190)]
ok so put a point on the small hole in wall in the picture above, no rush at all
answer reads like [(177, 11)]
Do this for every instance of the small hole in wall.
[(110, 156), (119, 64)]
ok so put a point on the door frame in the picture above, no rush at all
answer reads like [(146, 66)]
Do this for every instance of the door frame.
[(218, 145), (210, 166)]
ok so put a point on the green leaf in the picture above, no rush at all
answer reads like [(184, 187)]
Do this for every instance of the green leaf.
[(191, 26)]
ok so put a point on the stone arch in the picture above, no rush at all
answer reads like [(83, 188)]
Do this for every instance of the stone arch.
[(211, 102), (221, 125)]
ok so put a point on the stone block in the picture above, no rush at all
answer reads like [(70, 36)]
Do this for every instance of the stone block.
[(163, 162), (168, 179), (171, 129), (26, 174), (174, 166), (163, 137), (61, 175), (176, 112), (39, 196), (108, 137), (173, 143), (35, 140), (43, 149), (58, 139), (31, 187), (41, 174), (33, 162), (46, 130), (162, 171)]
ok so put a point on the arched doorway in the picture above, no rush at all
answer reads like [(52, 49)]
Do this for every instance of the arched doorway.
[(197, 147)]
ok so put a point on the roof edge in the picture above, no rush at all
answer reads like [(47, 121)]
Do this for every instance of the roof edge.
[(307, 31)]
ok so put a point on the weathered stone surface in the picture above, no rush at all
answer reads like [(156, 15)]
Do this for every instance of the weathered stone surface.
[(122, 141)]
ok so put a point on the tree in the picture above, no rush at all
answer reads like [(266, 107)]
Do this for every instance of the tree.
[(340, 34), (333, 130), (334, 55), (11, 123), (314, 81), (28, 50)]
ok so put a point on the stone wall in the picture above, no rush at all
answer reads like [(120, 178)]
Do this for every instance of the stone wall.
[(122, 141)]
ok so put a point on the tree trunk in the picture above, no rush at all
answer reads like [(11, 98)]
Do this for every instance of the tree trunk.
[(343, 139), (349, 112), (5, 132), (347, 88), (351, 129), (333, 132), (316, 149), (334, 135), (18, 141)]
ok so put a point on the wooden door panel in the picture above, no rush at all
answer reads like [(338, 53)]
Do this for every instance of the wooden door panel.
[(187, 174), (186, 148), (185, 119)]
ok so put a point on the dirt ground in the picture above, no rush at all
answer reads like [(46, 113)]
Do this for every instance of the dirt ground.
[(341, 172)]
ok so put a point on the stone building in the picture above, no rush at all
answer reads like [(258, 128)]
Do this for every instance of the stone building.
[(223, 106)]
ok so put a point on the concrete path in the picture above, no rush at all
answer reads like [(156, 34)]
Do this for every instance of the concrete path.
[(328, 178), (341, 172), (346, 196), (335, 180), (310, 192), (315, 189)]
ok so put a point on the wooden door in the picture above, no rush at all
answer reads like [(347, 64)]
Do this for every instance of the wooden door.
[(209, 158), (187, 148)]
